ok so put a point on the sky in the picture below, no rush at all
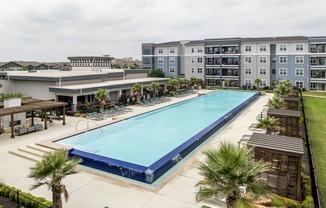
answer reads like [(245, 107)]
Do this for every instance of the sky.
[(52, 30)]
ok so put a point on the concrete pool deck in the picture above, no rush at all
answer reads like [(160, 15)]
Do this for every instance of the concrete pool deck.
[(94, 189)]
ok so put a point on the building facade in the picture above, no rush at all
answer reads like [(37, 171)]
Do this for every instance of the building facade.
[(90, 63), (241, 61)]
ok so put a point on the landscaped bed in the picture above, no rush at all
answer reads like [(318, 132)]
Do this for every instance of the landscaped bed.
[(316, 117)]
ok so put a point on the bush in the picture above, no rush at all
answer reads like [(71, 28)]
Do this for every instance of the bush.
[(305, 186), (308, 202), (266, 88), (287, 202)]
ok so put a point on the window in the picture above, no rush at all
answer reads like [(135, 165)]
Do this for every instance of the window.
[(282, 47), (247, 70), (299, 60), (171, 69), (172, 50), (192, 50), (283, 59), (199, 49), (160, 50), (299, 84), (313, 86), (248, 59), (262, 71), (160, 68), (283, 71), (172, 60), (192, 60), (262, 47), (160, 60), (299, 47), (247, 48), (263, 59), (248, 82), (299, 72), (199, 70), (192, 70), (199, 60), (263, 83)]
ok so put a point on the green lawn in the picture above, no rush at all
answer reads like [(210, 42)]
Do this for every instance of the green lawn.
[(314, 93), (316, 116)]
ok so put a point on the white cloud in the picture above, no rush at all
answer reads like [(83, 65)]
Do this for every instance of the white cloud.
[(47, 30)]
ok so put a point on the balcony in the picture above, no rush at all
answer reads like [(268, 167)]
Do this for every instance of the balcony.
[(318, 61), (230, 49), (230, 61), (230, 72), (213, 61), (318, 48), (318, 74), (213, 50), (213, 72)]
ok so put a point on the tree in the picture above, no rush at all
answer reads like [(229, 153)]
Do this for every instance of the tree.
[(284, 88), (137, 87), (51, 170), (156, 73), (276, 102), (226, 83), (268, 123), (103, 96), (173, 83), (257, 82), (154, 87), (230, 172)]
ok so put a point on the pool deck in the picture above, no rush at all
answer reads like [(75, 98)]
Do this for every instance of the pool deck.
[(91, 188)]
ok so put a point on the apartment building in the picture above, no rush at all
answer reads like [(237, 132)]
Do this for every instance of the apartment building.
[(317, 56), (222, 61), (241, 61), (90, 63), (274, 59)]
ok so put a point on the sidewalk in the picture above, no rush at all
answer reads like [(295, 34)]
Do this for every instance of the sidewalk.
[(91, 188)]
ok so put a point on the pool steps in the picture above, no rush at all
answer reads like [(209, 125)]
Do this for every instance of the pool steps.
[(31, 152)]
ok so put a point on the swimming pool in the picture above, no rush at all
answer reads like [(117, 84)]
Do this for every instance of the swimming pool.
[(146, 146)]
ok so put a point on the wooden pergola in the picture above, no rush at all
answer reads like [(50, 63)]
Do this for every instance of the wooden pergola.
[(283, 155), (31, 105), (289, 121)]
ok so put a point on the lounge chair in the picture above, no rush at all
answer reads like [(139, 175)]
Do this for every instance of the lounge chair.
[(253, 127)]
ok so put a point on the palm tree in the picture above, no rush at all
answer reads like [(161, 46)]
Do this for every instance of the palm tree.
[(231, 173), (257, 82), (137, 87), (276, 102), (51, 170), (173, 83), (103, 96), (284, 88), (226, 83), (268, 123), (154, 87)]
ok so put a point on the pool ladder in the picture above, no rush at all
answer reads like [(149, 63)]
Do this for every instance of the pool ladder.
[(88, 125)]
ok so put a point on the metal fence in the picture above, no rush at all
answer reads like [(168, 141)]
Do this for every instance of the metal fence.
[(314, 187), (22, 199)]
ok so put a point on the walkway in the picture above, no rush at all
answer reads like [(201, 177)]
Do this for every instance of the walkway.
[(94, 189)]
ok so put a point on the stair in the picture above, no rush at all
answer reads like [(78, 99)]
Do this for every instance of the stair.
[(31, 152)]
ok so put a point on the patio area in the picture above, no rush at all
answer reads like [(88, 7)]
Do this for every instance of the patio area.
[(105, 190)]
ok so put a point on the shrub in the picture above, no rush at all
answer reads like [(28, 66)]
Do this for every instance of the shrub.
[(308, 202), (266, 88), (278, 203), (13, 195), (287, 202), (305, 185)]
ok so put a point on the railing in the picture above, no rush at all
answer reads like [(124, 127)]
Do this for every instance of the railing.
[(314, 187), (88, 124), (19, 196)]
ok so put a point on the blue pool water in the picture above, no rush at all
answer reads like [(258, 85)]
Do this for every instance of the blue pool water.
[(143, 140)]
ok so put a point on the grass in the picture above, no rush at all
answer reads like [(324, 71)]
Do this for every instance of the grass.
[(314, 93), (316, 117)]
